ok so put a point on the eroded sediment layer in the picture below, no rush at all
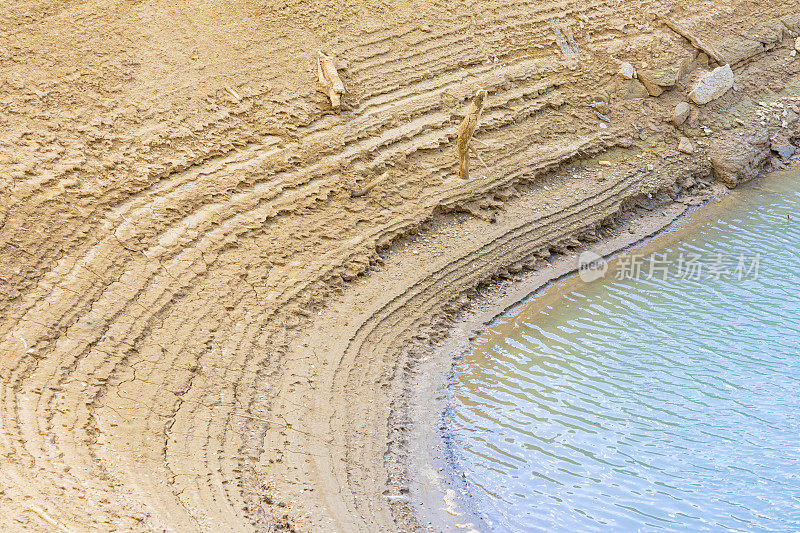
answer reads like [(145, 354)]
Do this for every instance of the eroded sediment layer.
[(176, 224)]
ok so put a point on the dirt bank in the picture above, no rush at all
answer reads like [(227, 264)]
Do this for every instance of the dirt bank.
[(200, 329)]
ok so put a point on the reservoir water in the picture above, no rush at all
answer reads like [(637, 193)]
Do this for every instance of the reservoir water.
[(664, 396)]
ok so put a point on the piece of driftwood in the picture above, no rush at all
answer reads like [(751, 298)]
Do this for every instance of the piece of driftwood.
[(467, 130), (357, 193), (689, 36), (233, 93), (328, 79)]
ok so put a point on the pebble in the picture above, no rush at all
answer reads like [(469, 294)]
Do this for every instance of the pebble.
[(685, 146), (627, 71), (681, 113), (602, 107), (797, 45)]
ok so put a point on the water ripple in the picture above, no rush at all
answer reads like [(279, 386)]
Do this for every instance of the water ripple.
[(651, 404)]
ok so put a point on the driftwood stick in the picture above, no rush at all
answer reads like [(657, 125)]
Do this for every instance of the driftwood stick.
[(696, 42), (467, 130), (329, 80), (474, 151), (233, 93), (357, 193)]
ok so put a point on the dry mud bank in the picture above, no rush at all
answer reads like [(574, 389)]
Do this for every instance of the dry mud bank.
[(200, 329)]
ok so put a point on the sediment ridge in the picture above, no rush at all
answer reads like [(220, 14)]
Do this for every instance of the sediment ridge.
[(201, 328)]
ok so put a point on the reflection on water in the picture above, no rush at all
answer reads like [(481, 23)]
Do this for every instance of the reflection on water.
[(669, 404)]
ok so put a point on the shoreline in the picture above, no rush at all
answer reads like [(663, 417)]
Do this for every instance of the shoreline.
[(445, 502), (430, 467), (437, 486)]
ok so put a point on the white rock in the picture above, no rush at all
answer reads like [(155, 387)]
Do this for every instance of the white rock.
[(712, 85), (627, 71), (797, 44)]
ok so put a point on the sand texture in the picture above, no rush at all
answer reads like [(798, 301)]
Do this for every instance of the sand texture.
[(201, 329)]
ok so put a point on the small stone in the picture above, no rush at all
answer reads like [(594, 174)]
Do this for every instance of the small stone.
[(657, 81), (685, 146), (713, 85), (602, 107), (630, 89), (793, 53), (627, 71), (651, 167), (797, 45), (681, 113), (785, 151)]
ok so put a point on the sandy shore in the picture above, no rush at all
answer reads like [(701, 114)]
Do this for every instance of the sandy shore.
[(201, 329)]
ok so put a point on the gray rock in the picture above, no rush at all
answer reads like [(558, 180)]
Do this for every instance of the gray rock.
[(785, 151), (781, 144), (713, 85), (681, 113), (738, 159), (685, 146)]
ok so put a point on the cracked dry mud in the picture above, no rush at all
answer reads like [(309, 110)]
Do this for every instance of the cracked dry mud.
[(200, 329)]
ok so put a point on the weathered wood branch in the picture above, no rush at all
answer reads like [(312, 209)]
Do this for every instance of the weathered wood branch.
[(328, 79), (467, 130), (368, 187)]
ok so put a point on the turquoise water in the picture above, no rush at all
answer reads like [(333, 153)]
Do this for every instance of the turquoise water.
[(669, 403)]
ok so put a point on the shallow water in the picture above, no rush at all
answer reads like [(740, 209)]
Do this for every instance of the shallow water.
[(669, 403)]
